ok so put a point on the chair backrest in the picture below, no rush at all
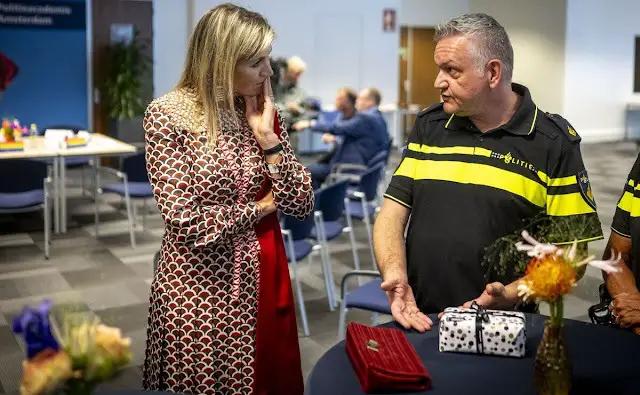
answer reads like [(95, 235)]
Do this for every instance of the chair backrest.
[(369, 181), (22, 175), (327, 116), (330, 200), (379, 157), (134, 166), (300, 229)]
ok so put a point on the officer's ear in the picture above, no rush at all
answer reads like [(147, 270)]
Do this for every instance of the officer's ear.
[(494, 72)]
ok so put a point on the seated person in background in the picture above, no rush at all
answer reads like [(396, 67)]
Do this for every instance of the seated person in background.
[(289, 96), (362, 135), (345, 103), (625, 239)]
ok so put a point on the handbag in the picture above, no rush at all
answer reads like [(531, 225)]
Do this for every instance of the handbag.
[(478, 331), (384, 360)]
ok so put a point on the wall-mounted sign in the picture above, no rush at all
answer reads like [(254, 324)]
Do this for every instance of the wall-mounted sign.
[(389, 20), (42, 15)]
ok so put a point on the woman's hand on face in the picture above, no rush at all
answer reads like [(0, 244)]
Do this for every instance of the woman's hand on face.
[(261, 113)]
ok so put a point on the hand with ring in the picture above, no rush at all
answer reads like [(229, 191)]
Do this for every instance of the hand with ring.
[(625, 309)]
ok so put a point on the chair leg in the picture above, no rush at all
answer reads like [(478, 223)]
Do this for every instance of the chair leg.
[(82, 169), (96, 215), (134, 211), (367, 222), (325, 272), (300, 297), (96, 178), (342, 322), (325, 251), (301, 306), (145, 211), (132, 234), (47, 224), (352, 236)]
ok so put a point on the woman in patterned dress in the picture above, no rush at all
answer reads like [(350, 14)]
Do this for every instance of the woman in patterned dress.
[(222, 317)]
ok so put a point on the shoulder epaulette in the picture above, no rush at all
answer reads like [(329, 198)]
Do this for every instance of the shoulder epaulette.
[(567, 130), (430, 109)]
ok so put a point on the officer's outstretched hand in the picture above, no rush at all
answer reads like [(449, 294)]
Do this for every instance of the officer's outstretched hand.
[(403, 305)]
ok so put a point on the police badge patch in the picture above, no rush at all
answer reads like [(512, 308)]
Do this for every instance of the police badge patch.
[(585, 189)]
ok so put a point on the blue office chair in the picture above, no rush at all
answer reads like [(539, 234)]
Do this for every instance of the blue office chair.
[(361, 203), (353, 172), (330, 213), (369, 297), (297, 235), (25, 186), (134, 185)]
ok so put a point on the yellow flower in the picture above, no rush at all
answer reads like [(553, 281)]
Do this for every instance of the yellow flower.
[(45, 372), (548, 278), (111, 341)]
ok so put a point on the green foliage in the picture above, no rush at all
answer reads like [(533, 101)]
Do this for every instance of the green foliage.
[(502, 258), (123, 85)]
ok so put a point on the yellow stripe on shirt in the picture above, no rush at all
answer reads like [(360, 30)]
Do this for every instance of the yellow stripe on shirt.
[(568, 204), (475, 174)]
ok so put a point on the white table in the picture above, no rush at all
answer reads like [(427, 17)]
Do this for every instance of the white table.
[(35, 147)]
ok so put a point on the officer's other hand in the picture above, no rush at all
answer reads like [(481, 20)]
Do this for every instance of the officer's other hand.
[(626, 307), (403, 305), (494, 297)]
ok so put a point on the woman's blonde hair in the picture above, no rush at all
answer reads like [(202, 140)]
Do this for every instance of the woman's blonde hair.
[(224, 36)]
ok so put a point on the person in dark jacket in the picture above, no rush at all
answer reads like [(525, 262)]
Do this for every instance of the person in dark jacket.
[(357, 138)]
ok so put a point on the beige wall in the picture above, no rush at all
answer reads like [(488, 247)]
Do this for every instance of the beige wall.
[(537, 33)]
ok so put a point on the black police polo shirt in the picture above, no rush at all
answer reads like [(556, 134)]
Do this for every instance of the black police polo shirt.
[(626, 220), (466, 189)]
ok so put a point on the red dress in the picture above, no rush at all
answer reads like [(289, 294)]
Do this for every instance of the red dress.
[(221, 315)]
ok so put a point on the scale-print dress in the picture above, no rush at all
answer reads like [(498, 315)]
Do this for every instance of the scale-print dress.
[(222, 316)]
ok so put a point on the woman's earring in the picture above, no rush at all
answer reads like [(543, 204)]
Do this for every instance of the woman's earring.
[(219, 93)]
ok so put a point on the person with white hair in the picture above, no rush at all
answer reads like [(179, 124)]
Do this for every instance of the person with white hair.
[(289, 95)]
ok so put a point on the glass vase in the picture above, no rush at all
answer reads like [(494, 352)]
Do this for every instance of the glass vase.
[(552, 370)]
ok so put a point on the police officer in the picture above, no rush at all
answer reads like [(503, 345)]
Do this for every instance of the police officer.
[(477, 166), (625, 239)]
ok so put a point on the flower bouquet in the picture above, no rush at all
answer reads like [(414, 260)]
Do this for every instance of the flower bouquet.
[(72, 357), (551, 273)]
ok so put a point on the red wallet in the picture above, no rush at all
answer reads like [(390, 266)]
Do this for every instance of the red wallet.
[(384, 360)]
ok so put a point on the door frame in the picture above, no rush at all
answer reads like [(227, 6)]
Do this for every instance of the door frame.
[(90, 92)]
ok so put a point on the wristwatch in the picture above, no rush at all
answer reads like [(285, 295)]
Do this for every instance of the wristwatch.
[(273, 168)]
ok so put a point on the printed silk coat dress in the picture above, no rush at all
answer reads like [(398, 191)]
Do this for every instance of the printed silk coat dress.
[(221, 316)]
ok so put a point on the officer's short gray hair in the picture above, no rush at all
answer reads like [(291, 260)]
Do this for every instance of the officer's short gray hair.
[(491, 39)]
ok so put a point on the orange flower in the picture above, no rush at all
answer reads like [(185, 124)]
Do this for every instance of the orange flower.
[(548, 278), (111, 340), (45, 372)]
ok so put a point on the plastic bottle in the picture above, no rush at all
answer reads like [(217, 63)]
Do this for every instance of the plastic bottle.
[(33, 131)]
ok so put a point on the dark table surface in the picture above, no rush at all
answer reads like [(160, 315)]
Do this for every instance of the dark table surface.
[(605, 361)]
